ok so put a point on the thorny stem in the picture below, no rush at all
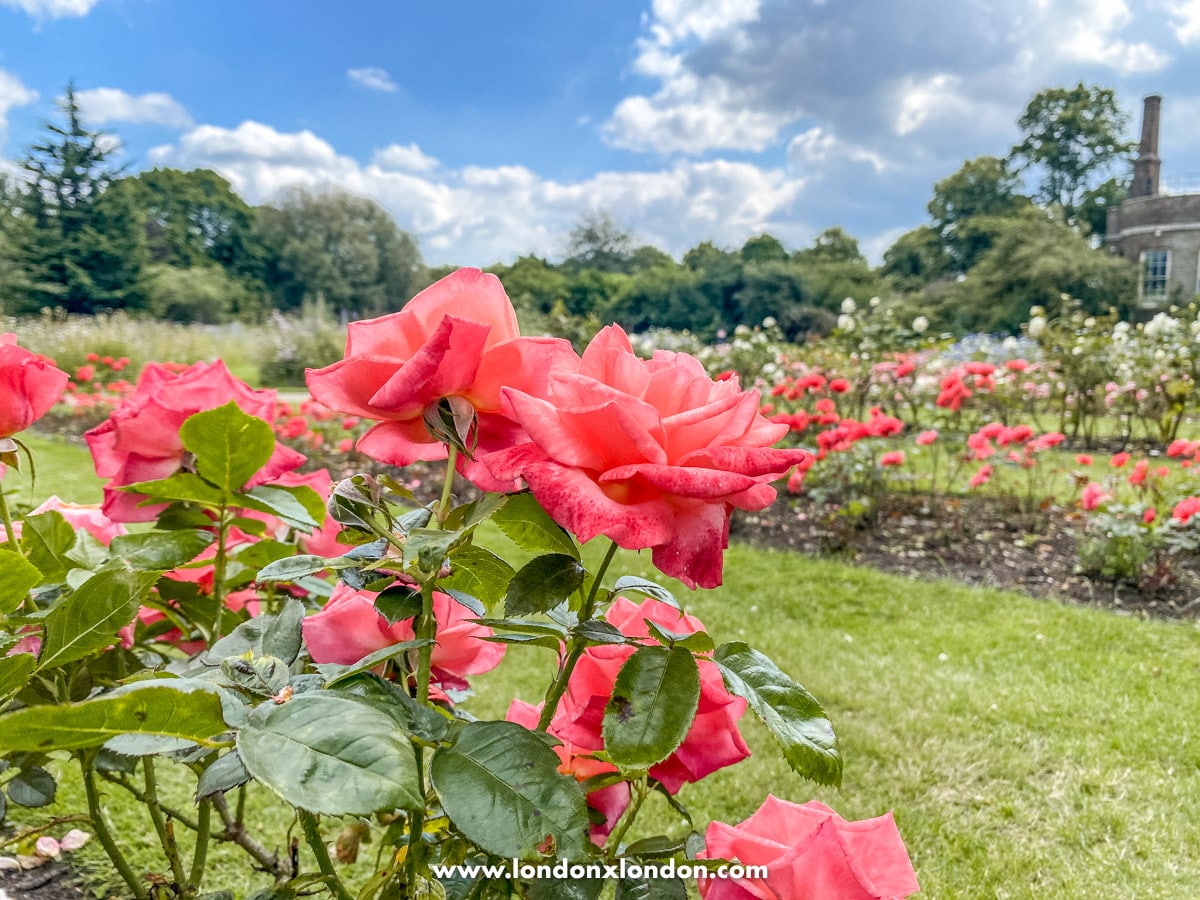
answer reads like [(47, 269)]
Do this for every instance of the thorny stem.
[(613, 844), (443, 508), (166, 834), (575, 646), (200, 855), (312, 834), (100, 826)]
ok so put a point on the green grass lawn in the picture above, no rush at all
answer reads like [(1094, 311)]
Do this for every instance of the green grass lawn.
[(1028, 749)]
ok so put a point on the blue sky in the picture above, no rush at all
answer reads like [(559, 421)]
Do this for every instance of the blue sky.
[(489, 128)]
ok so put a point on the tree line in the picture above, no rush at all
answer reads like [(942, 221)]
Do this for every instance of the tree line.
[(1005, 233)]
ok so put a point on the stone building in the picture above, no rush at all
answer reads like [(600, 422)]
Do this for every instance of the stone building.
[(1160, 232)]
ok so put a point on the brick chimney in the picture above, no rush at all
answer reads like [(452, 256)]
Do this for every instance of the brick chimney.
[(1147, 164)]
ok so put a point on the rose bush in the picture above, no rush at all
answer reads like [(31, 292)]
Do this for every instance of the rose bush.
[(332, 669)]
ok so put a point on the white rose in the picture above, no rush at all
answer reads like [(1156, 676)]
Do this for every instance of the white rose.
[(845, 323), (849, 306), (1036, 326), (920, 324)]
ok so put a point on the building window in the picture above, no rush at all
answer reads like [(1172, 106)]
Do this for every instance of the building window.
[(1156, 267)]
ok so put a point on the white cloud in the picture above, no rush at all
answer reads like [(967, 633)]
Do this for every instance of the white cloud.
[(815, 148), (373, 78), (477, 214), (405, 158), (677, 20), (1184, 16), (1088, 33), (103, 105), (742, 74), (53, 9), (12, 94)]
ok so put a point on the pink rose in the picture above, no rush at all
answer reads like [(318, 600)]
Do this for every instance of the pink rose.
[(651, 453), (892, 458), (349, 628), (140, 440), (29, 386), (458, 338), (811, 853), (713, 741), (1093, 495)]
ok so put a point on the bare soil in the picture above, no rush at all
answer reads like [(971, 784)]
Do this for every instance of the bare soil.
[(979, 541)]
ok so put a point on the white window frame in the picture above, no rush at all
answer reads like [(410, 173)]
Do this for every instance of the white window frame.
[(1157, 298)]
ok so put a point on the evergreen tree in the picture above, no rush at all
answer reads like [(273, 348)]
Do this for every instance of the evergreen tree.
[(82, 248)]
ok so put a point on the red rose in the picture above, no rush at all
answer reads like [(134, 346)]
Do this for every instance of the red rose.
[(713, 741), (140, 440), (811, 853), (349, 628), (652, 453), (458, 338), (29, 386)]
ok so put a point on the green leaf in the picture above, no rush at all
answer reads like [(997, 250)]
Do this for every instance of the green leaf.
[(462, 517), (478, 572), (89, 619), (156, 708), (633, 584), (185, 487), (17, 577), (416, 719), (528, 526), (542, 584), (282, 502), (47, 538), (696, 641), (222, 774), (271, 634), (292, 567), (147, 745), (597, 631), (500, 784), (653, 703), (15, 671), (332, 755), (427, 549), (791, 713), (160, 550), (397, 603), (32, 787), (335, 672), (229, 445)]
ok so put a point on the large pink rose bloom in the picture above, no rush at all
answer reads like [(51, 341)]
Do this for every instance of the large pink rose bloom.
[(652, 453), (140, 440), (458, 338), (349, 628), (712, 742), (811, 853), (29, 386)]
